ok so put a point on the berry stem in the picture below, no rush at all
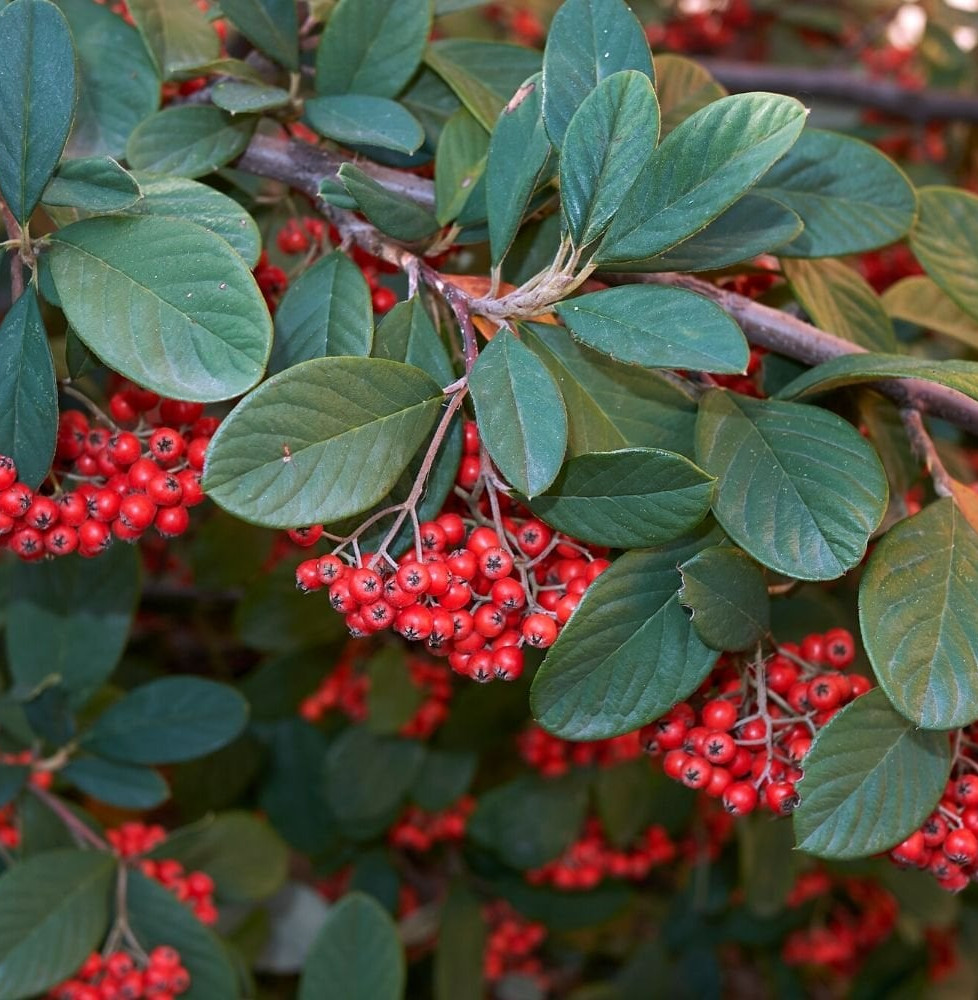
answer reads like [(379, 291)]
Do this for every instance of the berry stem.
[(77, 827)]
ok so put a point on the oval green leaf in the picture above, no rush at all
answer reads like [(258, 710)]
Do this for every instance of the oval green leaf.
[(270, 25), (393, 214), (460, 162), (166, 303), (359, 120), (282, 456), (798, 488), (179, 36), (683, 86), (920, 300), (243, 97), (871, 778), (96, 184), (124, 785)]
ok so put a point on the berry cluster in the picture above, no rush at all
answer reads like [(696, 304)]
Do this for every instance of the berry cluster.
[(511, 943), (473, 590), (551, 756), (592, 858), (417, 830), (121, 976), (195, 889), (703, 31), (743, 736)]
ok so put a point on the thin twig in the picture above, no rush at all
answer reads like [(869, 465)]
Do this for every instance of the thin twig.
[(924, 448), (78, 828)]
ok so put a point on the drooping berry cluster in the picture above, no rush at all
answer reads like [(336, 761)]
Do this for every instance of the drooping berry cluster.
[(511, 943), (552, 756), (120, 975), (742, 738), (417, 830), (195, 889)]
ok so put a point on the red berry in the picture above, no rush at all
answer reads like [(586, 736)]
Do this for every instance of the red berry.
[(171, 521), (167, 445), (719, 714), (137, 511), (740, 798), (383, 299), (539, 630)]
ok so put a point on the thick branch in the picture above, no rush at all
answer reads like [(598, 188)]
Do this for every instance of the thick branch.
[(846, 88)]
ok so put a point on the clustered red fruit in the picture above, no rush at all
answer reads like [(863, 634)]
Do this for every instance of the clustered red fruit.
[(419, 831), (196, 889), (551, 756), (122, 976), (743, 736), (510, 945), (591, 859), (469, 592), (704, 31)]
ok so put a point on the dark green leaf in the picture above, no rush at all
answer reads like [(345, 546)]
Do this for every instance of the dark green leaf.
[(628, 653), (28, 391), (871, 778), (768, 867), (727, 596), (242, 97), (829, 485), (624, 798), (920, 300), (459, 163), (79, 360), (54, 910), (566, 911), (157, 917), (626, 499), (588, 41), (943, 239), (358, 120), (372, 46), (166, 303), (188, 141), (168, 720), (124, 785), (37, 98), (484, 75), (281, 458), (444, 778), (71, 617), (918, 612), (13, 777), (395, 215), (356, 955), (530, 820), (326, 311), (97, 184), (461, 943), (431, 101), (270, 25), (700, 169), (109, 50), (608, 143), (520, 412), (683, 87), (657, 327), (407, 334), (48, 713), (178, 35), (839, 300), (850, 196), (393, 697)]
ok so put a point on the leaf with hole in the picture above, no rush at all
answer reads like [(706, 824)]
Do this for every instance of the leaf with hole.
[(360, 120)]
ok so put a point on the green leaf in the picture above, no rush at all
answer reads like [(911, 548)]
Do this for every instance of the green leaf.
[(13, 777), (281, 457), (519, 151), (188, 141), (28, 391), (769, 868), (918, 612), (484, 75), (368, 777), (157, 917), (838, 299), (270, 25), (242, 853), (372, 46), (683, 87), (726, 594), (657, 327), (520, 413), (445, 776), (943, 240), (588, 41), (611, 405), (461, 943), (242, 97), (97, 184), (625, 800), (919, 299), (358, 119), (608, 143), (167, 721), (459, 163), (54, 910), (629, 652), (850, 196), (124, 785), (393, 697), (395, 215), (357, 954), (700, 169), (851, 369), (824, 480), (530, 820), (325, 312), (626, 499), (109, 50), (871, 778), (37, 98), (165, 303), (179, 36), (71, 618), (181, 199)]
